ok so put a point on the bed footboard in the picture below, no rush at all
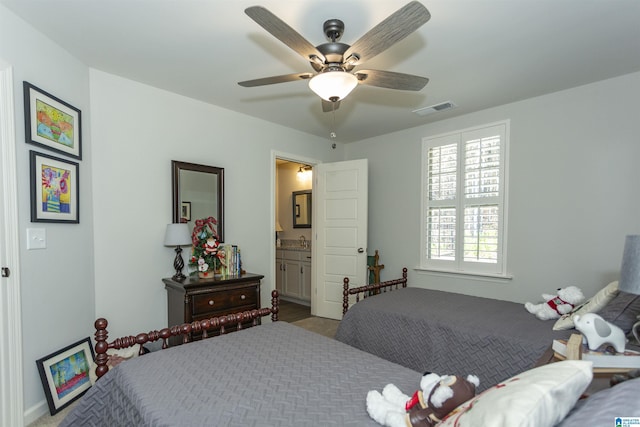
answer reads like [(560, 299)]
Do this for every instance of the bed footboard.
[(185, 329), (372, 289)]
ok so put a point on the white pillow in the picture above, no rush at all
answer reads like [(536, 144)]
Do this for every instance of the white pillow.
[(540, 397), (593, 305)]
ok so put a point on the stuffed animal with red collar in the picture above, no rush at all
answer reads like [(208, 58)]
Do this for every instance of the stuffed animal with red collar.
[(438, 397), (555, 306)]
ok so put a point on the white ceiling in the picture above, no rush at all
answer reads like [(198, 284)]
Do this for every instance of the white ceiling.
[(476, 53)]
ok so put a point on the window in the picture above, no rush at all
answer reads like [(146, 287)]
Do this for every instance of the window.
[(464, 187)]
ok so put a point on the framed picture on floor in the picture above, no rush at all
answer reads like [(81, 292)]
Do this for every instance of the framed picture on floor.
[(65, 374), (51, 123), (54, 189)]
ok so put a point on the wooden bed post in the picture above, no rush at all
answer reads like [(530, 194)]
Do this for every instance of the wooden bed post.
[(101, 346), (345, 295), (275, 306)]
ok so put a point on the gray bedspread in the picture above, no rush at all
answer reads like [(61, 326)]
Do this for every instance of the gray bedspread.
[(276, 374), (447, 333)]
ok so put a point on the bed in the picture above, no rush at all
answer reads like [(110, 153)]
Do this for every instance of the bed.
[(274, 374), (277, 374), (443, 332)]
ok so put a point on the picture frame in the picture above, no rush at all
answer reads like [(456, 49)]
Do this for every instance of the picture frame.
[(55, 193), (185, 211), (65, 374), (51, 122)]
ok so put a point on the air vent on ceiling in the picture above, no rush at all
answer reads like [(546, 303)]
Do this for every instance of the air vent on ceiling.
[(435, 108)]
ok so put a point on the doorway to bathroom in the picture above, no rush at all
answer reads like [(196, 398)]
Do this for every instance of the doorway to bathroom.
[(294, 232)]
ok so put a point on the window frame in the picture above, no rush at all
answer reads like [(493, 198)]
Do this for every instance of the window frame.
[(458, 265)]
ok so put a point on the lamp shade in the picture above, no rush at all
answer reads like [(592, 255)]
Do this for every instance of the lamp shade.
[(630, 270), (278, 226), (177, 235), (333, 84)]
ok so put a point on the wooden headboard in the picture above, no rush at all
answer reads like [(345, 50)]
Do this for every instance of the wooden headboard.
[(184, 329), (369, 290)]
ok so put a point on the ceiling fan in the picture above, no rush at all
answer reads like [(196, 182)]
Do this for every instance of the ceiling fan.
[(334, 62)]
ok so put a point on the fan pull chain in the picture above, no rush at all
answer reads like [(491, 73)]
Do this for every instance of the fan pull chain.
[(332, 134)]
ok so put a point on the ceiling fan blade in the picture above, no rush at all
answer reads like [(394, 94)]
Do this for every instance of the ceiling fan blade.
[(276, 79), (283, 32), (328, 106), (394, 28), (391, 80)]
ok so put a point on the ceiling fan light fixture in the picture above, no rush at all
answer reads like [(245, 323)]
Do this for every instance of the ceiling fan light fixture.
[(333, 85)]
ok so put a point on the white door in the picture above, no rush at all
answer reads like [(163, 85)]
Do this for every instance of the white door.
[(340, 231), (11, 401)]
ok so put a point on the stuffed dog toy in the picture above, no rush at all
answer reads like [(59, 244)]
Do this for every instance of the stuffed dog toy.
[(556, 305), (596, 331), (437, 397)]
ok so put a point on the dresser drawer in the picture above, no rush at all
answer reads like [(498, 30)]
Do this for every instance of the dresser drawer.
[(215, 302)]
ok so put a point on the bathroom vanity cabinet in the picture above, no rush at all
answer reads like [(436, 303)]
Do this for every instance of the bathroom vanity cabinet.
[(293, 274)]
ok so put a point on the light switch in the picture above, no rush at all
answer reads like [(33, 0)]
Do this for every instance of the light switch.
[(36, 238)]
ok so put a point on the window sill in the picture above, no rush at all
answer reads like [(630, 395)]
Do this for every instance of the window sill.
[(475, 275)]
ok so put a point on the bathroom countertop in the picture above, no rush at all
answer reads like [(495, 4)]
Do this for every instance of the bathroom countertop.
[(293, 248)]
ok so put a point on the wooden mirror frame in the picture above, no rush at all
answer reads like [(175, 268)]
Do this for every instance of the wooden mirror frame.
[(306, 222), (176, 167)]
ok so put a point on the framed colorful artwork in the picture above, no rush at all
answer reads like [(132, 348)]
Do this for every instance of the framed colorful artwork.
[(65, 374), (54, 189), (51, 123)]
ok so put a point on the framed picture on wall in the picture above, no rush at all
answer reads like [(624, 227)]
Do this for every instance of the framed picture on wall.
[(54, 189), (65, 374), (185, 212), (51, 123)]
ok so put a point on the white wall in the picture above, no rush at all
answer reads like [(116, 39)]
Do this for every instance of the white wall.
[(134, 131), (137, 131), (57, 282), (573, 191)]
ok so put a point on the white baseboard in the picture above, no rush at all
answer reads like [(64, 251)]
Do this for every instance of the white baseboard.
[(35, 412)]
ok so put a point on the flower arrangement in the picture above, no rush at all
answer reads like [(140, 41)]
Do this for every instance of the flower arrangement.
[(206, 254)]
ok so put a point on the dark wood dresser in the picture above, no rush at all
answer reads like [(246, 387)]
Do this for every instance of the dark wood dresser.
[(197, 299)]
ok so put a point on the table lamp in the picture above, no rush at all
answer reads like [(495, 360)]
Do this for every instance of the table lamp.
[(630, 274), (177, 235), (278, 229)]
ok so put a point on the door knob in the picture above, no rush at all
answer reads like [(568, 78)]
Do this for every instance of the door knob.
[(360, 250)]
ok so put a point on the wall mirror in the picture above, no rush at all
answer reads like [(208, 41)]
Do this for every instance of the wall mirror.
[(198, 192), (302, 209)]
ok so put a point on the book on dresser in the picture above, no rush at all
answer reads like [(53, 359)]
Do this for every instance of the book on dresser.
[(602, 357)]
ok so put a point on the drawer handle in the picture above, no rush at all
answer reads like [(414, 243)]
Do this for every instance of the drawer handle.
[(243, 297), (210, 302)]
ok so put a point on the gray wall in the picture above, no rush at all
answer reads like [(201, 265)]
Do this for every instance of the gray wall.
[(57, 282), (572, 194), (573, 191), (138, 130), (134, 131)]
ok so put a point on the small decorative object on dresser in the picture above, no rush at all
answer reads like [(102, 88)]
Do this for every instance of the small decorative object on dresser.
[(198, 299), (206, 254), (177, 235)]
